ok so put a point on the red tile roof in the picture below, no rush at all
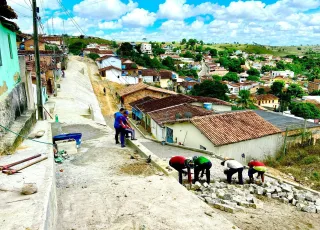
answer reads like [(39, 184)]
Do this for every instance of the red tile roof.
[(149, 72), (140, 86), (106, 57), (165, 74), (109, 68), (228, 128), (165, 102), (168, 114), (265, 97), (141, 101)]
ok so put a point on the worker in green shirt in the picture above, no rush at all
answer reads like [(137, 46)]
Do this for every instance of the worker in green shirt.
[(201, 164)]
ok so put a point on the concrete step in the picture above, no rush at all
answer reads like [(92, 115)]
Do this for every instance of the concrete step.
[(22, 125)]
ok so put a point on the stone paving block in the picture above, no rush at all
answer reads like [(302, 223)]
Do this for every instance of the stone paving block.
[(309, 209)]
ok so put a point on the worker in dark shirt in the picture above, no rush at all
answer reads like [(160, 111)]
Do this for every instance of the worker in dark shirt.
[(201, 164), (117, 126), (256, 167), (181, 163)]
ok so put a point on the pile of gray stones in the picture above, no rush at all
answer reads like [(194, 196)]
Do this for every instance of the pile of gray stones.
[(233, 197)]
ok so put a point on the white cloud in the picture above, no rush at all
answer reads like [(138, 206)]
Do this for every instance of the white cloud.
[(178, 9), (99, 32), (110, 25), (106, 10), (139, 18), (197, 24)]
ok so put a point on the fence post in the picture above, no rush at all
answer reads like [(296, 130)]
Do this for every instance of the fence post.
[(285, 142)]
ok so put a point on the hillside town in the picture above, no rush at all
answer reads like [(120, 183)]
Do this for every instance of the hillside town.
[(108, 134)]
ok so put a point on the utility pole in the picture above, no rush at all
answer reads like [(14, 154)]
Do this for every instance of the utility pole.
[(37, 59)]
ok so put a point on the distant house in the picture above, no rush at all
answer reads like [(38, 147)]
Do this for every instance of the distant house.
[(166, 78), (136, 113), (107, 61), (29, 44), (149, 75), (130, 69), (266, 100), (182, 112), (221, 71), (137, 91), (101, 53), (54, 40), (234, 135), (315, 85), (146, 48), (286, 73)]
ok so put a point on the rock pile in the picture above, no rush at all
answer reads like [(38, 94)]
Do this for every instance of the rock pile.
[(233, 198)]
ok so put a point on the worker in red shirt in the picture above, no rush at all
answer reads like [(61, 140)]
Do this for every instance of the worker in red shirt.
[(256, 167), (180, 163)]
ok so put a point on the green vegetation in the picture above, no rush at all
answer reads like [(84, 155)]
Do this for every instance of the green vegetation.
[(93, 56), (302, 162), (305, 110), (231, 76), (51, 47), (87, 41), (75, 48), (210, 88)]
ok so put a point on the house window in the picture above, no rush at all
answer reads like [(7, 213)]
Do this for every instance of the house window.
[(10, 46), (202, 147), (272, 101), (0, 58)]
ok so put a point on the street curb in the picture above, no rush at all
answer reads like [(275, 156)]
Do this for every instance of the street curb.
[(144, 152)]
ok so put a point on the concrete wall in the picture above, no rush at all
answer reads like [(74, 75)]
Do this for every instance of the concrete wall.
[(111, 61), (187, 134), (217, 108), (112, 75), (27, 79), (141, 94), (13, 105), (9, 68), (157, 131)]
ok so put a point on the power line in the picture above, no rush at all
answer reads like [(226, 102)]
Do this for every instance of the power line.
[(21, 5), (28, 4), (71, 18)]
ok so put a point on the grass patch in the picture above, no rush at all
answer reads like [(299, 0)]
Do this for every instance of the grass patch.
[(302, 162)]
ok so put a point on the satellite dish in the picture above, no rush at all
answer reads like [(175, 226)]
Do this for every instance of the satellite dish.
[(178, 116), (188, 115)]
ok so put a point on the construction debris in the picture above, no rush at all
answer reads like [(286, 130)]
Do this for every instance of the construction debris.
[(29, 188), (235, 198)]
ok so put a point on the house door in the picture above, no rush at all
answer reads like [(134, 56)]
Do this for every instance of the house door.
[(169, 135)]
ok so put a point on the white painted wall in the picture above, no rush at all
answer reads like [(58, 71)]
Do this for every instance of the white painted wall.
[(112, 75), (286, 73), (257, 148), (148, 79), (157, 131), (217, 108)]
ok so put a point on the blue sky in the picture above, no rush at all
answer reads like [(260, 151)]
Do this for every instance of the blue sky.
[(269, 22)]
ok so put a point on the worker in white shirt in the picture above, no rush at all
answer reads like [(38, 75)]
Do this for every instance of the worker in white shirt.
[(232, 167)]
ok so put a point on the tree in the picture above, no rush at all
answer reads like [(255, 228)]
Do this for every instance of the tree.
[(114, 44), (173, 42), (281, 65), (213, 52), (76, 47), (93, 56), (253, 72), (305, 110), (266, 68), (213, 89), (201, 42), (244, 101), (315, 93), (188, 54), (261, 91), (169, 62), (277, 88), (216, 78), (295, 90), (184, 41), (253, 78), (231, 76), (198, 57), (126, 49)]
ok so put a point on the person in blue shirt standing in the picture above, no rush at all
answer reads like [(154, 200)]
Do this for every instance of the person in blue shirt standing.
[(117, 125)]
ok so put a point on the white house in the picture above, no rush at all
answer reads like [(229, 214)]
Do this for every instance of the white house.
[(146, 48), (286, 73), (172, 114), (149, 75), (241, 135)]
